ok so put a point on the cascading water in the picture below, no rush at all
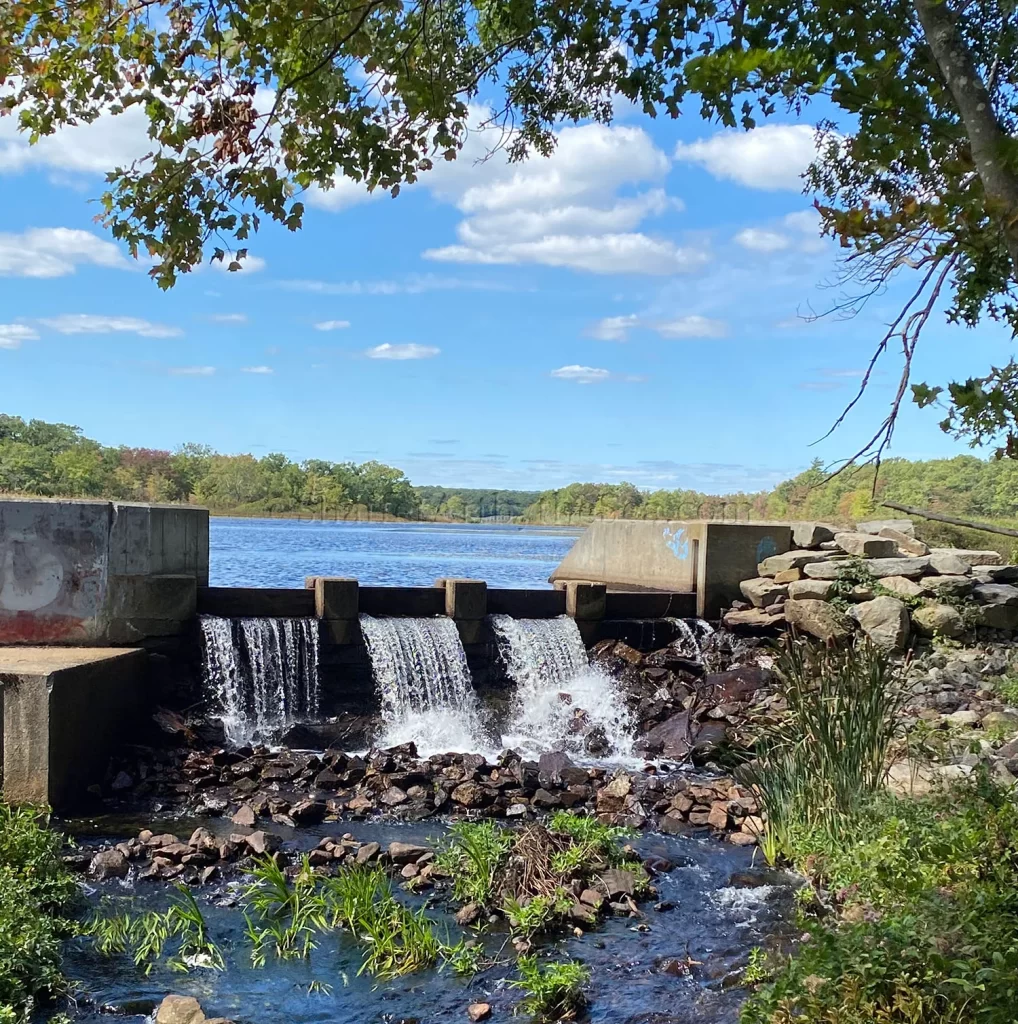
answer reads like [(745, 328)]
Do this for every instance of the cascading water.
[(562, 703), (263, 672), (694, 635), (423, 682)]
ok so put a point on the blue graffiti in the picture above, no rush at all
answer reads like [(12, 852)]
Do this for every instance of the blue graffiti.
[(676, 541), (766, 548)]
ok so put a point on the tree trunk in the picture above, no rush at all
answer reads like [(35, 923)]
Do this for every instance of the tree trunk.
[(985, 134)]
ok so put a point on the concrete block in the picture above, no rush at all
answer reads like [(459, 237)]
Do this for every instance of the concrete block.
[(339, 632), (153, 597), (471, 631), (586, 601), (135, 630), (527, 604), (728, 554), (336, 597), (64, 710), (466, 599)]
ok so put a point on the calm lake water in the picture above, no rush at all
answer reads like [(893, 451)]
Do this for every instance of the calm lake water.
[(281, 552)]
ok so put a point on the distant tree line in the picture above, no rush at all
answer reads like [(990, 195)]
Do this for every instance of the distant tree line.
[(55, 459)]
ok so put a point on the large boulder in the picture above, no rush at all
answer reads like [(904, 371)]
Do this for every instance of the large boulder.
[(996, 593), (762, 592), (809, 590), (907, 545), (946, 564), (819, 619), (809, 535), (1001, 573), (972, 557), (948, 586), (885, 621), (904, 526), (789, 560), (901, 587), (999, 616), (910, 568), (938, 620), (865, 545), (672, 738)]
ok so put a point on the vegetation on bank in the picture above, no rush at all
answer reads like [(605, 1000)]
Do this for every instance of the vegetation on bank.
[(36, 897), (911, 905)]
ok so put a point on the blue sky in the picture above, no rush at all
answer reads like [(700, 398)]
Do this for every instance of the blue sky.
[(625, 310)]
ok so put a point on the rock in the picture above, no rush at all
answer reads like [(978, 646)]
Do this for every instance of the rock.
[(762, 592), (972, 557), (829, 569), (809, 590), (999, 616), (947, 586), (906, 545), (108, 864), (996, 593), (718, 816), (367, 853), (307, 812), (405, 853), (121, 782), (810, 535), (468, 914), (902, 587), (865, 545), (885, 621), (470, 794), (245, 816), (963, 719), (1000, 720), (393, 797), (617, 882), (479, 1011), (819, 619), (709, 737), (736, 684), (788, 576), (592, 898), (910, 568), (545, 798), (790, 560), (261, 843), (755, 620), (550, 767), (948, 565), (672, 738), (938, 620), (1001, 573), (903, 526), (910, 778), (180, 1010)]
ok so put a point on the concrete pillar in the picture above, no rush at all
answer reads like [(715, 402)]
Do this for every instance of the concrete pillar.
[(337, 605), (64, 710), (585, 602), (466, 603)]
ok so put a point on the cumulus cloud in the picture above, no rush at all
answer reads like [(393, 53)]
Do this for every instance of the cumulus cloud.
[(799, 231), (762, 240), (87, 323), (55, 252), (257, 369), (228, 318), (613, 328), (191, 371), (412, 284), (582, 374), (332, 325), (692, 326), (12, 335), (401, 352), (772, 157)]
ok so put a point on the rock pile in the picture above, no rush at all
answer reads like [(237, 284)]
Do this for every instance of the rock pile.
[(882, 581)]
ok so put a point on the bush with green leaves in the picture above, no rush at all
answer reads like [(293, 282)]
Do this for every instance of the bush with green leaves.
[(36, 894), (554, 991)]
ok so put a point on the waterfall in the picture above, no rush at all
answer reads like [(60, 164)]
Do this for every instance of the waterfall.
[(562, 702), (423, 683), (694, 635), (262, 672)]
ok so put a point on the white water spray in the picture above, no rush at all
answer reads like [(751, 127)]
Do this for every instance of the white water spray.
[(694, 635), (263, 673), (560, 698), (423, 683)]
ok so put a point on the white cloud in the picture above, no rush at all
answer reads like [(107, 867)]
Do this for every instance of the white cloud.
[(229, 318), (12, 335), (582, 374), (401, 352), (692, 326), (248, 265), (55, 252), (413, 284), (265, 370), (192, 371), (332, 325), (614, 328), (87, 323), (762, 240), (771, 157), (345, 193)]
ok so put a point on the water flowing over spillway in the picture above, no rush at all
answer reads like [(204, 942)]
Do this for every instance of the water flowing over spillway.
[(562, 703), (694, 635), (263, 672), (423, 683)]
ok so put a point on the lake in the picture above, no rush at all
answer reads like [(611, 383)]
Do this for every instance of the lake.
[(281, 552)]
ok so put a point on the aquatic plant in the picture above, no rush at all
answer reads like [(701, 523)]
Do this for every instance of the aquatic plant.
[(473, 853), (828, 755), (554, 990), (591, 837), (529, 917)]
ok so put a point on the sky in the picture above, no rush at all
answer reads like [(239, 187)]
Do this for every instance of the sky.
[(634, 307)]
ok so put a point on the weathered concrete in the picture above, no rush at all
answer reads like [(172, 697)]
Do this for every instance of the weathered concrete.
[(98, 572), (64, 708), (701, 556)]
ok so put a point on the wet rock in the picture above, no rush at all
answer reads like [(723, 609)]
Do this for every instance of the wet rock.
[(393, 797), (121, 782), (672, 738), (468, 914), (367, 853), (546, 799), (819, 619), (709, 737), (470, 794), (736, 684), (109, 864), (551, 766), (307, 812), (261, 843), (479, 1011), (406, 853), (617, 882), (582, 913)]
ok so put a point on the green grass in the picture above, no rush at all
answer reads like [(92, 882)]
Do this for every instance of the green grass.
[(554, 991), (36, 895), (529, 917), (473, 854), (1007, 687)]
